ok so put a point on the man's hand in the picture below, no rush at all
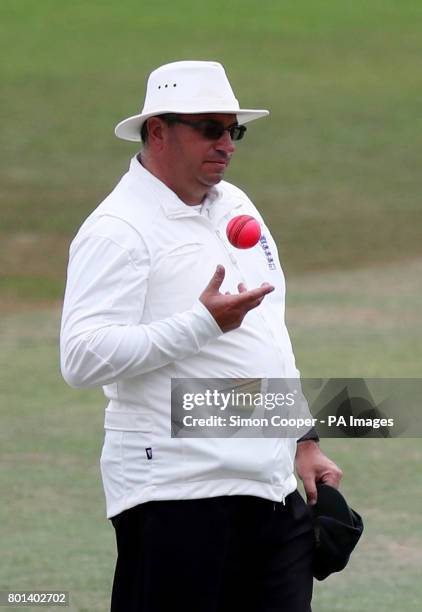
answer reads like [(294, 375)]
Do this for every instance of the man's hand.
[(313, 466), (229, 310)]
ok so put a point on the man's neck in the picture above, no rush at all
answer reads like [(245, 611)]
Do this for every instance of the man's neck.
[(188, 197)]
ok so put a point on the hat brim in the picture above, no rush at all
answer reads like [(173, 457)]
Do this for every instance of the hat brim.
[(130, 128)]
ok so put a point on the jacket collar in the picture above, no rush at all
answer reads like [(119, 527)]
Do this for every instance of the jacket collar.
[(172, 205)]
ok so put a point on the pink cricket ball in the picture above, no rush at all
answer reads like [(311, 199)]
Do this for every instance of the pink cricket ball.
[(243, 231)]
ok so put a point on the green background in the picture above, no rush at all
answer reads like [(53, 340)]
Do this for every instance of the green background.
[(335, 172)]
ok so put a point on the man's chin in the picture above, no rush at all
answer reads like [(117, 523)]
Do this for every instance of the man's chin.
[(214, 172), (211, 182), (212, 178)]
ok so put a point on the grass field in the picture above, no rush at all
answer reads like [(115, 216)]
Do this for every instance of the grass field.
[(53, 532), (335, 167), (335, 171)]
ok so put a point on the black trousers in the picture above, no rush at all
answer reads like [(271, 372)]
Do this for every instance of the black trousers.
[(221, 554)]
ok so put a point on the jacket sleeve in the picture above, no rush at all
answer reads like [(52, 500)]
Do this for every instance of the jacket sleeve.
[(102, 339)]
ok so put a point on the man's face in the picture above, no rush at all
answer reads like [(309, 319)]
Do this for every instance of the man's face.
[(196, 161)]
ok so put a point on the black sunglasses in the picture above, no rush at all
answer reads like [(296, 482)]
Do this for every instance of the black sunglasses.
[(210, 129)]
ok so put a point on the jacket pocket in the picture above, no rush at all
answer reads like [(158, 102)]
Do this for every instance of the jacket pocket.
[(127, 454), (186, 248)]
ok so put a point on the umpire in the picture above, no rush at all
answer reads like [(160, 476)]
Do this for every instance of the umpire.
[(155, 291)]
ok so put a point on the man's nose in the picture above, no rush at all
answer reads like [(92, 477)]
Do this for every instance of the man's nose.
[(225, 143)]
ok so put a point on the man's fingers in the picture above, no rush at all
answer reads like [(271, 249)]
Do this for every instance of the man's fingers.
[(255, 294), (230, 309), (247, 300), (216, 280), (311, 490), (333, 477)]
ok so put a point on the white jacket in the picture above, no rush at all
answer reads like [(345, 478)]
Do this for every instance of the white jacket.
[(132, 321)]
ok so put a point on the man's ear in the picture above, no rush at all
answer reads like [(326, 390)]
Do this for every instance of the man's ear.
[(157, 131)]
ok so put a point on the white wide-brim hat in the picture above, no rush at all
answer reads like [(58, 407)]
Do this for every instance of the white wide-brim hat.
[(186, 88)]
